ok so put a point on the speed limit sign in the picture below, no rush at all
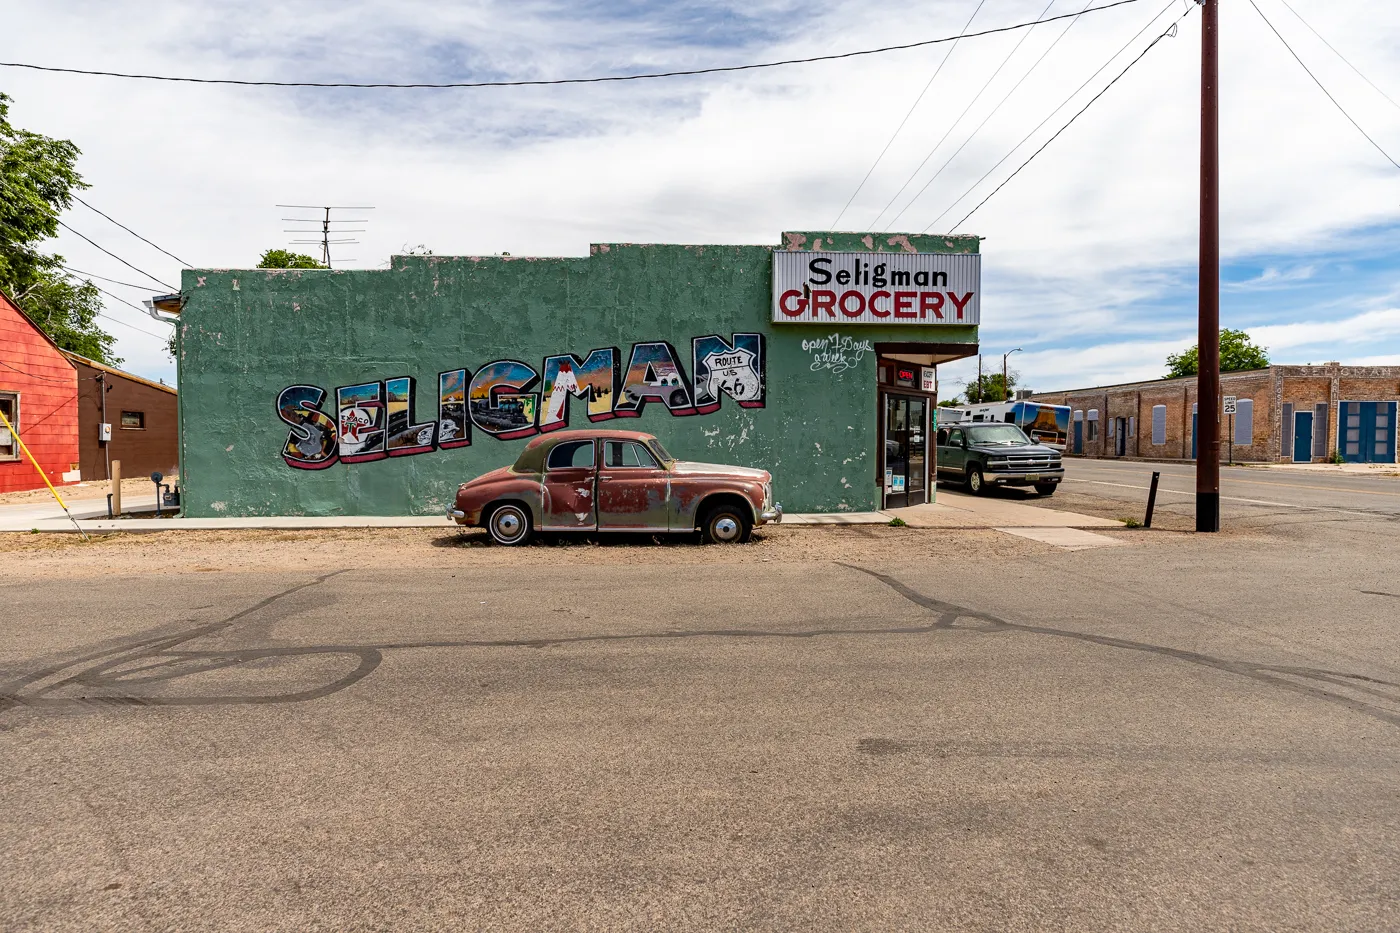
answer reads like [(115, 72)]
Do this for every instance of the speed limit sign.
[(1229, 401)]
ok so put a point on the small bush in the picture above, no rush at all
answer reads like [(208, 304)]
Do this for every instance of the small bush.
[(1337, 457), (1131, 522), (898, 523)]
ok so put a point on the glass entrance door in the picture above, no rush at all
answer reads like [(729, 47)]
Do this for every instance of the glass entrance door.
[(906, 451)]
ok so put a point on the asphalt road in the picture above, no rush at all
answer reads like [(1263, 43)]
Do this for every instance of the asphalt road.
[(1190, 733), (1245, 492)]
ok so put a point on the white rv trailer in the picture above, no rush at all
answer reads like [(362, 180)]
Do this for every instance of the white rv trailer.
[(1046, 424)]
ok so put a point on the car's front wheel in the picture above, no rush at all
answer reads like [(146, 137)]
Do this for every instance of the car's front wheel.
[(975, 483), (509, 524), (1046, 489), (726, 524)]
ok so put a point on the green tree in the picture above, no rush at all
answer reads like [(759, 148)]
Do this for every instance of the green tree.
[(1237, 352), (953, 402), (67, 311), (286, 259), (38, 176), (991, 388)]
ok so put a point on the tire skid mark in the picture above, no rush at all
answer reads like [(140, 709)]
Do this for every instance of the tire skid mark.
[(1268, 674)]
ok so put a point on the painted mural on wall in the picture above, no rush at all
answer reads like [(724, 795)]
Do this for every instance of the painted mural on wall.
[(509, 399)]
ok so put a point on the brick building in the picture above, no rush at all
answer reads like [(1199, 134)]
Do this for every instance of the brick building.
[(143, 415), (38, 394), (1284, 413)]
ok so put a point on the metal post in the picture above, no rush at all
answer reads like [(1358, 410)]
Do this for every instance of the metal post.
[(1005, 386), (979, 380), (1232, 438), (1151, 499), (1208, 337)]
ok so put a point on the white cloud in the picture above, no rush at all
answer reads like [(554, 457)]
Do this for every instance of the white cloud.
[(1366, 327), (1085, 246)]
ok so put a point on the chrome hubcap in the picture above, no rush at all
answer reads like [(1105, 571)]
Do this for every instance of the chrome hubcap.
[(508, 524), (726, 529)]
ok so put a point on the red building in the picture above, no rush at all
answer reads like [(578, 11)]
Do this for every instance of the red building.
[(39, 396)]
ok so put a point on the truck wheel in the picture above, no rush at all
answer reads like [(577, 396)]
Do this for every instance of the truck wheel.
[(726, 524), (678, 399), (1046, 489), (975, 483), (509, 524)]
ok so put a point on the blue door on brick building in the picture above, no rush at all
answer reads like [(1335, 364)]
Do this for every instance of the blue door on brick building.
[(1366, 432), (1302, 436)]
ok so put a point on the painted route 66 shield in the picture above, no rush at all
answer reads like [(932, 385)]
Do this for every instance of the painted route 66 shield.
[(734, 372)]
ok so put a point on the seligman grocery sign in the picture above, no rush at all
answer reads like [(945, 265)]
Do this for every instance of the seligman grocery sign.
[(877, 288)]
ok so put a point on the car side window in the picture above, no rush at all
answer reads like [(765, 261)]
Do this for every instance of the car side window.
[(639, 456), (955, 438), (942, 437), (625, 454), (571, 454)]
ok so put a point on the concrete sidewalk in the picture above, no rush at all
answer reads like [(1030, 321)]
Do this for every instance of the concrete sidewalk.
[(32, 515), (960, 510), (1353, 469)]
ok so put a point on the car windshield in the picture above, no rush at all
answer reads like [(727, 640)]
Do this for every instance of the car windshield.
[(1005, 435), (661, 451)]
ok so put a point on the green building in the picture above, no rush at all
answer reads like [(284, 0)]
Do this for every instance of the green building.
[(376, 392)]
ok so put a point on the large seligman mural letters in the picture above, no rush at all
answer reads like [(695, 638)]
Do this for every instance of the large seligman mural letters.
[(509, 399)]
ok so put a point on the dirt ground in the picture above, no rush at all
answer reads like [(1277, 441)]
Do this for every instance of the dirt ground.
[(67, 555), (78, 492)]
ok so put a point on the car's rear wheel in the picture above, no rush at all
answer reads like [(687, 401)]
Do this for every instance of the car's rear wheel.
[(1046, 489), (678, 399), (726, 524), (975, 483), (509, 524)]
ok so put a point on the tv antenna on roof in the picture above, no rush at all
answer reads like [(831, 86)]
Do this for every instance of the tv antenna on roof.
[(327, 230)]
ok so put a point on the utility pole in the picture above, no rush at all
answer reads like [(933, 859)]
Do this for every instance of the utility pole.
[(1208, 326), (980, 399), (1006, 386)]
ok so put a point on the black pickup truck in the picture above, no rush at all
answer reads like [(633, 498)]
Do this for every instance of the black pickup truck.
[(986, 455)]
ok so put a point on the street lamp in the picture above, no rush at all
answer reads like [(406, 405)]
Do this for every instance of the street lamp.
[(1005, 386)]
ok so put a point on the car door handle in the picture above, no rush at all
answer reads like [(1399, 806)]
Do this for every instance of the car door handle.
[(601, 476)]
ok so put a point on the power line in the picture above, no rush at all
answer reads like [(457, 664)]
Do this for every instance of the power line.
[(1062, 105), (1171, 31), (912, 108), (132, 307), (1007, 96), (130, 231), (91, 275), (556, 81), (1339, 54), (118, 258), (954, 125), (34, 375), (1319, 84), (115, 297)]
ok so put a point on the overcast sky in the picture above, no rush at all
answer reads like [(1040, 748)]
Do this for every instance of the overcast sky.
[(1089, 252)]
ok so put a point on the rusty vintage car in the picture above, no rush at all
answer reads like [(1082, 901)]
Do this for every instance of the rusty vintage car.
[(614, 481)]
